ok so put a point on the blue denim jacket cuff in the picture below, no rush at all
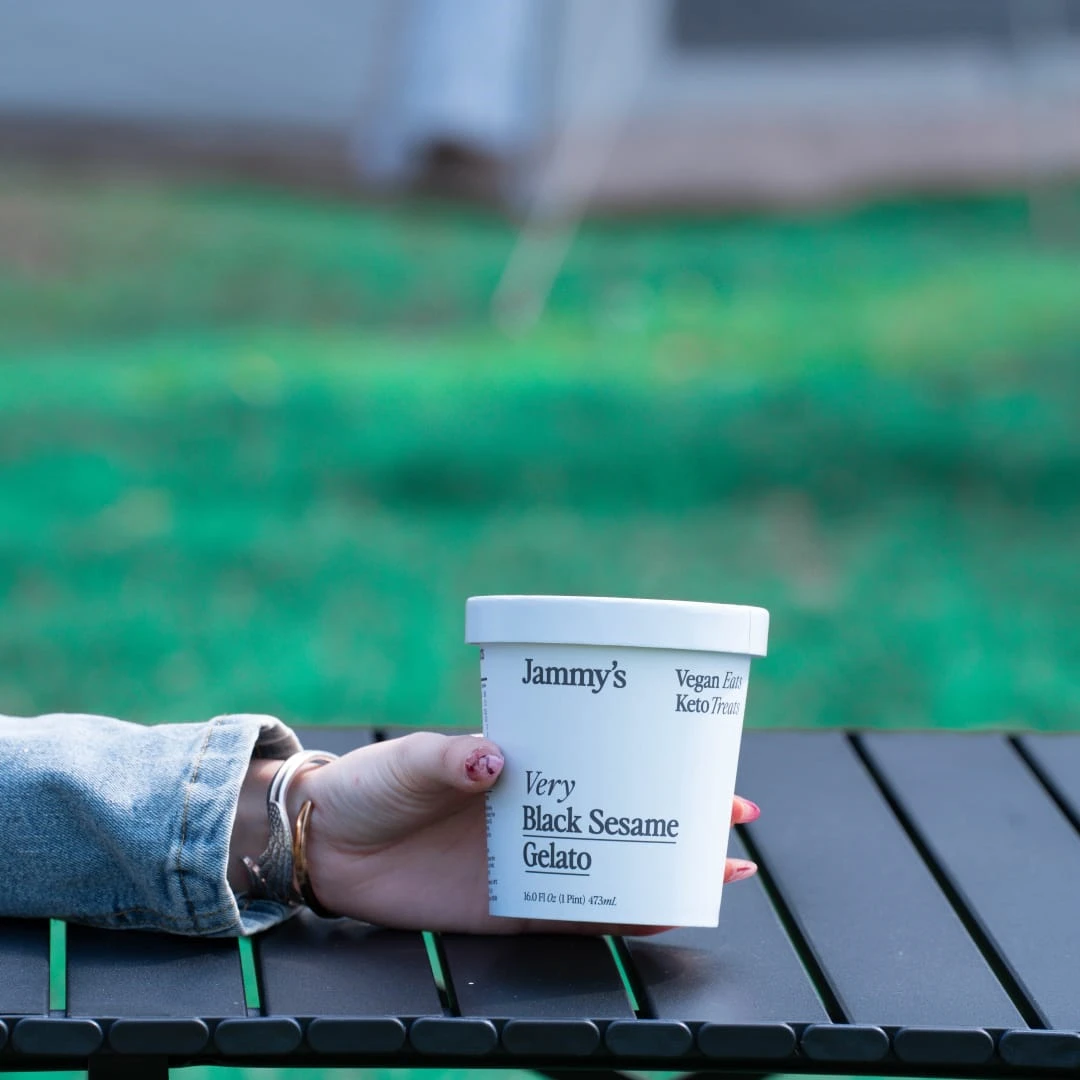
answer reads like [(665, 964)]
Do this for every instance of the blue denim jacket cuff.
[(210, 802), (126, 825)]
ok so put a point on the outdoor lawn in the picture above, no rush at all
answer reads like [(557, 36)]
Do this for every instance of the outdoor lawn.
[(259, 447)]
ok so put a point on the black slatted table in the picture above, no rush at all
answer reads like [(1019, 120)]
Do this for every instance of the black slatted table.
[(917, 914)]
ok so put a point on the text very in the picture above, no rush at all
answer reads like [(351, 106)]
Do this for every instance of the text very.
[(538, 784)]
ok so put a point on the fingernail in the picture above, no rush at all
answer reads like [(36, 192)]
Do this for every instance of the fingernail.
[(754, 810), (479, 766), (742, 868)]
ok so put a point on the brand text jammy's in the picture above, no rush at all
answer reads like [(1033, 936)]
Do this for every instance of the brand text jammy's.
[(556, 675)]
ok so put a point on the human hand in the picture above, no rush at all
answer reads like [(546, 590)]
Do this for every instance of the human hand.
[(397, 837)]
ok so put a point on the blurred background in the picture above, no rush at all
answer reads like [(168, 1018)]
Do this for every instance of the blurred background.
[(318, 317)]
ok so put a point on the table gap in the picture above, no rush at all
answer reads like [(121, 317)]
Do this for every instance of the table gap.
[(250, 975), (970, 923), (57, 966), (440, 972), (1051, 789), (631, 980), (814, 971)]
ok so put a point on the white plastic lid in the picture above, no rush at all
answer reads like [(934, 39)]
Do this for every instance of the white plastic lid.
[(610, 620)]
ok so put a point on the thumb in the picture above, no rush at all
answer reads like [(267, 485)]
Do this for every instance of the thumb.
[(385, 791), (426, 763)]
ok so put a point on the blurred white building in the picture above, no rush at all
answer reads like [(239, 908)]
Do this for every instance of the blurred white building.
[(563, 101)]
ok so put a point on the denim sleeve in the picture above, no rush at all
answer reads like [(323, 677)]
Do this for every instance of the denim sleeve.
[(125, 825)]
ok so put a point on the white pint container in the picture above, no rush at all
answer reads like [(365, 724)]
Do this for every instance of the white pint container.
[(620, 721)]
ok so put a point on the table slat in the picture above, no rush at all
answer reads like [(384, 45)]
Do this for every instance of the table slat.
[(24, 967), (744, 971), (334, 740), (1058, 758), (336, 967), (885, 936), (538, 976), (1006, 848), (127, 973)]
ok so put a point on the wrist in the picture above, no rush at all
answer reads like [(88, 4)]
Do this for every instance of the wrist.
[(251, 826), (264, 840), (307, 811), (300, 790)]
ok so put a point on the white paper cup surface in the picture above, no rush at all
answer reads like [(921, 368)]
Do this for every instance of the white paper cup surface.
[(615, 802)]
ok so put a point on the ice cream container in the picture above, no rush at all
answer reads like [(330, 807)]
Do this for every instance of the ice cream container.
[(620, 721)]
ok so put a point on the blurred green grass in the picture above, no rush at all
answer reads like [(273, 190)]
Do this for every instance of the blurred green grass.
[(257, 449)]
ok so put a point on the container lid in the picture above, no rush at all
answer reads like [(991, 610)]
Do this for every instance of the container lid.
[(610, 620)]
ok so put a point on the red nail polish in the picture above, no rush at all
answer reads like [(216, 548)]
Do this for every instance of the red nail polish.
[(480, 766)]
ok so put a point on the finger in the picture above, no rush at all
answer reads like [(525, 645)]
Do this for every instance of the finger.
[(739, 870), (426, 762), (744, 811)]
